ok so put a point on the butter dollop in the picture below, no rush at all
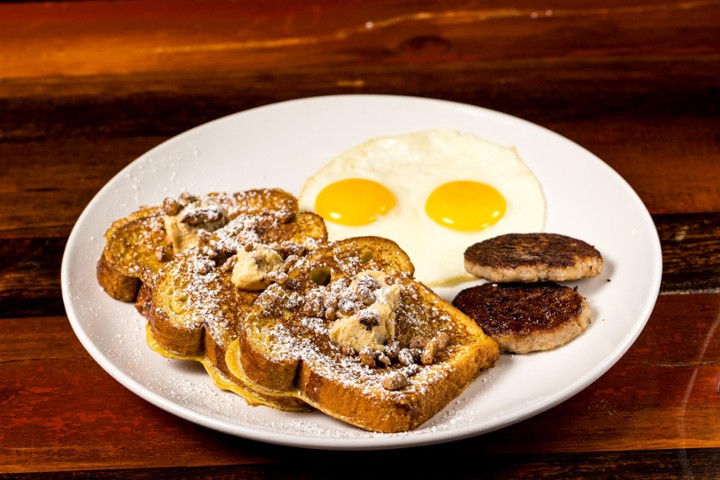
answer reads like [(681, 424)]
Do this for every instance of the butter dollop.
[(355, 330), (182, 228), (252, 266)]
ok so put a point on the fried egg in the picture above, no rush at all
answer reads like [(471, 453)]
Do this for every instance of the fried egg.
[(434, 193)]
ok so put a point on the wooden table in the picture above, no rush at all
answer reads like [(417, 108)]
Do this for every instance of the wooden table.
[(86, 87)]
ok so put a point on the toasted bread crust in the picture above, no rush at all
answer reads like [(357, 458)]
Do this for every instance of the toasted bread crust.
[(137, 246), (533, 257), (525, 318), (284, 350), (131, 253), (190, 303), (118, 286), (197, 309)]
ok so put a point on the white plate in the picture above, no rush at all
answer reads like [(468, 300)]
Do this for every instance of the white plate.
[(279, 146)]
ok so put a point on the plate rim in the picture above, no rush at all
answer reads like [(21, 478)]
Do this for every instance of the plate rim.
[(381, 441)]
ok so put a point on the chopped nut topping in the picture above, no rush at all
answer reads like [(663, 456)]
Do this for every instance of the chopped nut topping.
[(330, 313), (276, 276), (329, 301), (443, 340), (392, 348), (428, 353), (170, 206), (293, 301), (406, 357), (436, 344), (411, 370), (264, 223), (200, 215), (367, 357), (396, 380), (346, 306), (228, 265), (382, 359), (204, 268), (186, 198), (288, 248), (203, 237), (366, 297), (269, 306), (313, 305)]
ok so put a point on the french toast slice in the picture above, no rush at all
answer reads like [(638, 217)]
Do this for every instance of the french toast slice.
[(134, 248), (138, 245), (197, 302), (181, 276), (353, 334)]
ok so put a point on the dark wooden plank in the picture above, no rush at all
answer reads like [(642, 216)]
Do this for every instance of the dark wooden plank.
[(30, 277), (664, 464), (47, 183), (225, 36), (64, 139), (691, 251), (580, 90), (61, 411)]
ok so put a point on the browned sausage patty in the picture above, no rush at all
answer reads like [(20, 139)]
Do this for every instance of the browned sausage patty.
[(525, 318), (533, 257)]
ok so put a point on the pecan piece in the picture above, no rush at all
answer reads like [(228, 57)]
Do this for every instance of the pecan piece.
[(406, 357), (200, 215), (392, 348), (433, 347), (367, 357), (396, 380), (171, 207), (382, 359)]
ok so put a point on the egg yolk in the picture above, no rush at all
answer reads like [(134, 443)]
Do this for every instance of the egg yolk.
[(465, 205), (354, 201)]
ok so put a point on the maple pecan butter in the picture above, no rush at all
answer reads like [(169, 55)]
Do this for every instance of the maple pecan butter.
[(187, 216), (372, 322), (253, 265)]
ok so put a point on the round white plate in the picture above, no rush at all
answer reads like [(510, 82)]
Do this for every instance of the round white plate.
[(280, 145)]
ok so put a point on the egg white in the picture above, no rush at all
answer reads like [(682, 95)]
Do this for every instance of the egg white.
[(412, 166)]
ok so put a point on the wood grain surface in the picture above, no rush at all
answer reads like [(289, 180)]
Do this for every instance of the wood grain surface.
[(88, 86)]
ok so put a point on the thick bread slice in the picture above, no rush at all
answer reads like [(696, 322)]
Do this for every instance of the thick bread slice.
[(533, 257), (526, 317), (133, 249), (137, 245), (289, 344), (195, 308), (186, 293)]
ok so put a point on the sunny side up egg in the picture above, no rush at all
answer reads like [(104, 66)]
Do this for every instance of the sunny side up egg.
[(433, 192)]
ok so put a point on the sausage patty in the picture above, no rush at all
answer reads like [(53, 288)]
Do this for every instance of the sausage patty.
[(525, 318), (533, 257)]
